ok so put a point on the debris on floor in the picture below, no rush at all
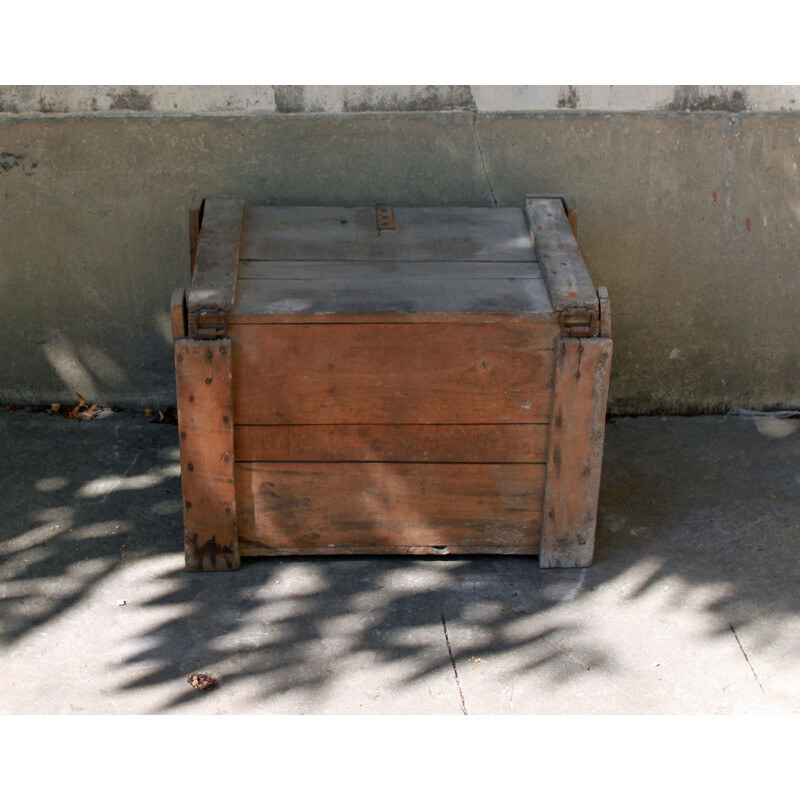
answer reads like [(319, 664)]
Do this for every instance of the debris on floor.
[(202, 681)]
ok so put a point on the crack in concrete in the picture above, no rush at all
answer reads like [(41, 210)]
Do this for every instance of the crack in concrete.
[(752, 669), (483, 162), (455, 670)]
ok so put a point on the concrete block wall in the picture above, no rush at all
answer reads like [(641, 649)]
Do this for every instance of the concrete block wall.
[(688, 198)]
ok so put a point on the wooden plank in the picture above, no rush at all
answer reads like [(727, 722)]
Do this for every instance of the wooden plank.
[(177, 309), (386, 270), (214, 284), (302, 505), (392, 374), (486, 444), (576, 451), (258, 549), (422, 234), (205, 427), (402, 295), (550, 320), (605, 312), (562, 266), (195, 221)]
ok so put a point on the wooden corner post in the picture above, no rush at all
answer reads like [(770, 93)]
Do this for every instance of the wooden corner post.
[(205, 389), (580, 387), (575, 452), (205, 427)]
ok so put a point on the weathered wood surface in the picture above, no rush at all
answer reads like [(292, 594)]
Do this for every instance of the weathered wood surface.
[(305, 506), (195, 220), (423, 234), (205, 428), (483, 444), (387, 270), (217, 259), (605, 312), (399, 295), (562, 266), (258, 549), (392, 374), (575, 453), (177, 308)]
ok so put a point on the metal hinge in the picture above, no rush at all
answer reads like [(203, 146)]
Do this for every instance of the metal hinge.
[(208, 323), (578, 323), (384, 216)]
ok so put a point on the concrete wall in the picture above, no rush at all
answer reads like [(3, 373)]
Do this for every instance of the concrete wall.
[(688, 198)]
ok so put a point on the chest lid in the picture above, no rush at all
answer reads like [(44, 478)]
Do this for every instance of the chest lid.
[(266, 264)]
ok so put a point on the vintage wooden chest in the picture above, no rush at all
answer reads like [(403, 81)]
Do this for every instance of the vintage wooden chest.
[(389, 380)]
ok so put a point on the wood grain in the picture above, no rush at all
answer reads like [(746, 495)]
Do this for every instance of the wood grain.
[(217, 259), (309, 506), (605, 312), (422, 234), (392, 374), (562, 266), (576, 452), (195, 221), (399, 295), (177, 308), (205, 428), (484, 444), (387, 270), (258, 549)]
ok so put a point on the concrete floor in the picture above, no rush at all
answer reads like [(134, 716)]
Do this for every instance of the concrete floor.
[(691, 606)]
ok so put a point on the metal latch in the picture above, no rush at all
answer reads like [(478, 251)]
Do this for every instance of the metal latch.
[(208, 323), (579, 323), (384, 215)]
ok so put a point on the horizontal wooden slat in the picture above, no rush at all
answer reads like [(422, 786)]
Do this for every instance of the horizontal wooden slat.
[(392, 374), (386, 270), (422, 234), (486, 444), (249, 548), (406, 295), (293, 505)]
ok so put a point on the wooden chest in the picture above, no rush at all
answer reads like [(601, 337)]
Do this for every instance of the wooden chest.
[(384, 381)]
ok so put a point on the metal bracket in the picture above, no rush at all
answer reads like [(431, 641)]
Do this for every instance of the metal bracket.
[(208, 323), (384, 215), (578, 323)]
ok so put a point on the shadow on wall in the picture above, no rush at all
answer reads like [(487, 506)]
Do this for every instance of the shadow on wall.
[(700, 510)]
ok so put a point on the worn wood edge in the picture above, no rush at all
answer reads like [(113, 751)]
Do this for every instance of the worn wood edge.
[(394, 317), (559, 257), (605, 312), (210, 554), (310, 269), (249, 549), (217, 256), (195, 223), (575, 548), (178, 314), (509, 443)]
